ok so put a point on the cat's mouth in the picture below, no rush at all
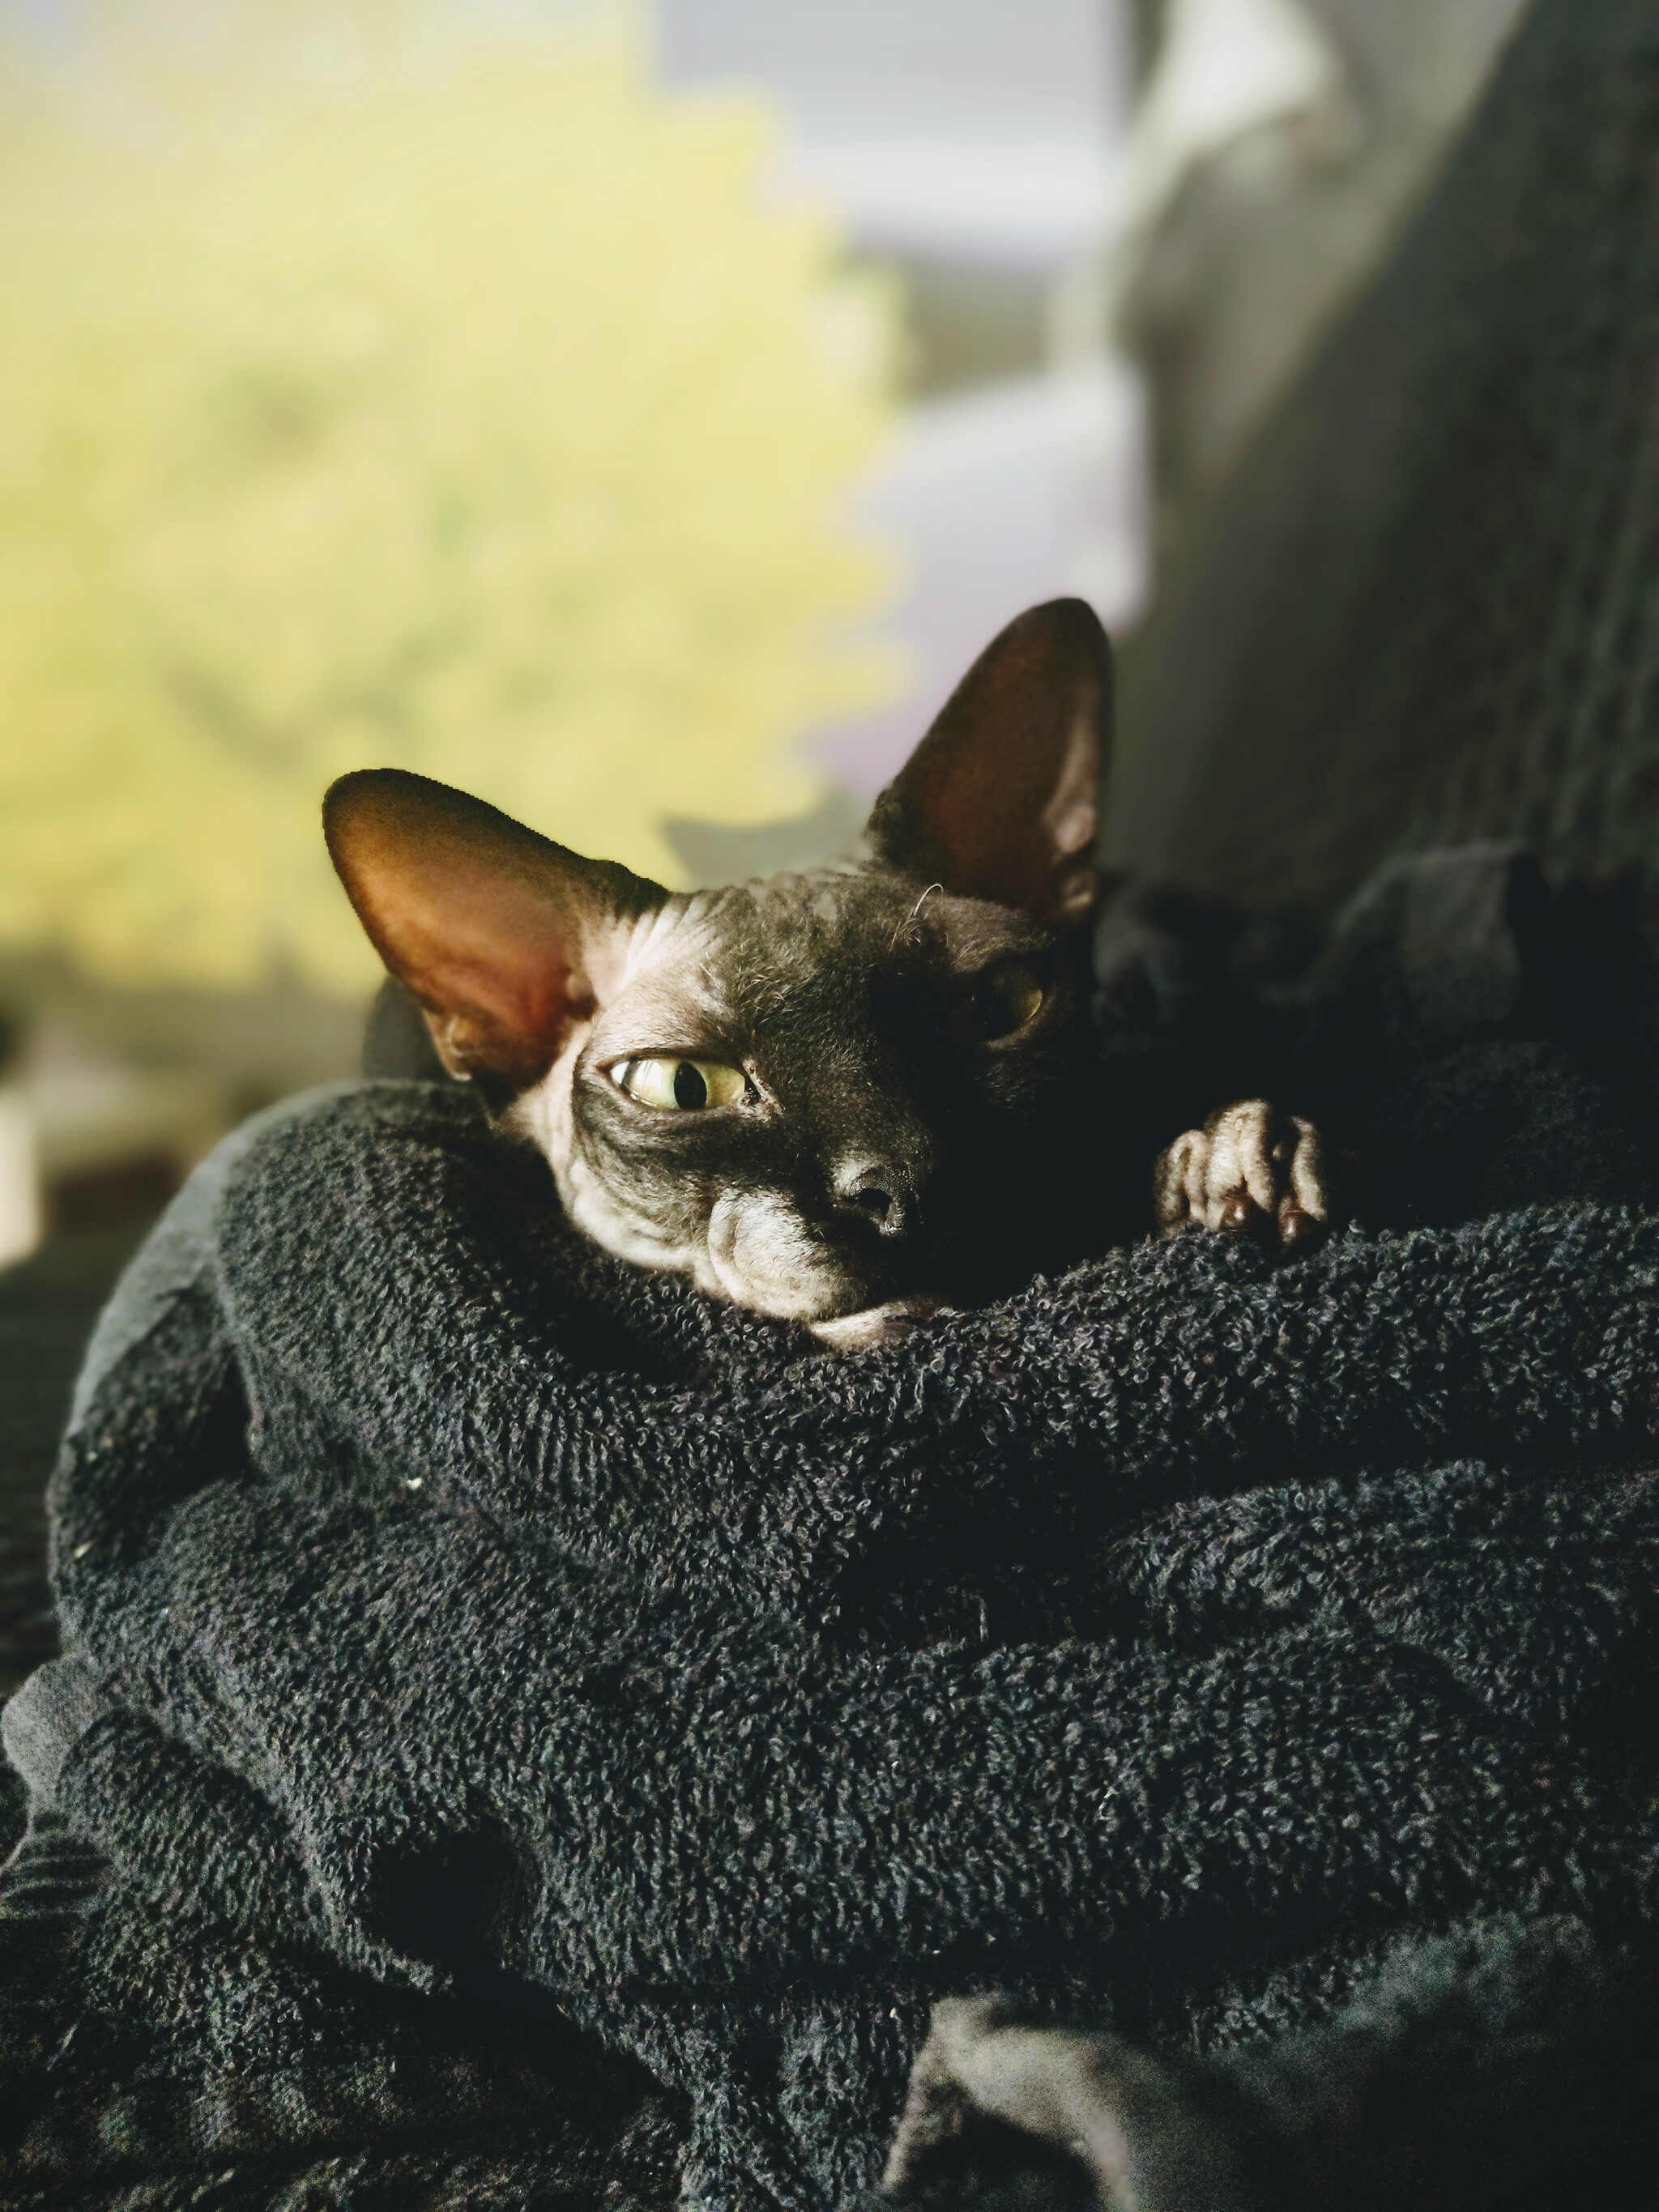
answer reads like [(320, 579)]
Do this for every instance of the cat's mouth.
[(882, 1324), (761, 1253)]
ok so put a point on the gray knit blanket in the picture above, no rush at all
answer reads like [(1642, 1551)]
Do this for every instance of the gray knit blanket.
[(1424, 607), (532, 1736)]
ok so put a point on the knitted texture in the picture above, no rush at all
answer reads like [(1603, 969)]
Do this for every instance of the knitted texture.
[(1426, 607), (505, 1683)]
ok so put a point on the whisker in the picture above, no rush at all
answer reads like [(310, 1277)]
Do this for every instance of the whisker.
[(909, 921)]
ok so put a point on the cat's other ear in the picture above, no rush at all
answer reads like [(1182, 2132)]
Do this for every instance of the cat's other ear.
[(1001, 798), (507, 939)]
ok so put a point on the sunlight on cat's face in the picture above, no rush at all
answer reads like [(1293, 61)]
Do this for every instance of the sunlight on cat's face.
[(835, 1098), (801, 1092)]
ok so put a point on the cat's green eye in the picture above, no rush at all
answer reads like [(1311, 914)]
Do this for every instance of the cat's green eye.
[(1004, 1000), (683, 1086)]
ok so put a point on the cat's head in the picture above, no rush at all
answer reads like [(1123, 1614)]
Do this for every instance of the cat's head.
[(830, 1096)]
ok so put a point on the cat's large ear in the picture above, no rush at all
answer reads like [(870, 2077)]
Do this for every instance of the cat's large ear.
[(1001, 798), (506, 938)]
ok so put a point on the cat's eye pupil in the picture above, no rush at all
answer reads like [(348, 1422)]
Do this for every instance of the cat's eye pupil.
[(676, 1085), (1004, 1002)]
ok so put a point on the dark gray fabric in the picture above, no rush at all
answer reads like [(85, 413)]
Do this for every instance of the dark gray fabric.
[(1427, 605), (47, 1306), (511, 1669), (519, 1669)]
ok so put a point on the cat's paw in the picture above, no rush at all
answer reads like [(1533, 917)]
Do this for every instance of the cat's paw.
[(1250, 1170)]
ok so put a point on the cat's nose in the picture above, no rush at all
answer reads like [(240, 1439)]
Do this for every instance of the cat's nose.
[(881, 1192)]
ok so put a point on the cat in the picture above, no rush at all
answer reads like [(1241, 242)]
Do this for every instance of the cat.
[(847, 1099)]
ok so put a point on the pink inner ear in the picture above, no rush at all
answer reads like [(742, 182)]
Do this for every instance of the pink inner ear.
[(1001, 800), (1073, 817), (492, 928), (1008, 816), (471, 941)]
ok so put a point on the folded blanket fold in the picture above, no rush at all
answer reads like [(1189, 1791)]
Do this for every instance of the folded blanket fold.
[(462, 1615)]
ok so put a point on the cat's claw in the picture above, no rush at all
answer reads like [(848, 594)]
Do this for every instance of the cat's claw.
[(1250, 1170)]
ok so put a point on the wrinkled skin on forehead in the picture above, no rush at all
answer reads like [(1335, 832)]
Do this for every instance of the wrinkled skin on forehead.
[(848, 1000)]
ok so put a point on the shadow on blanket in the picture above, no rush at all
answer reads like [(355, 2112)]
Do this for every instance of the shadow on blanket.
[(530, 1736)]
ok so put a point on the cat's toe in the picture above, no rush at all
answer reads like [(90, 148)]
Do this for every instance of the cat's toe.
[(1179, 1181), (1250, 1170), (1304, 1207)]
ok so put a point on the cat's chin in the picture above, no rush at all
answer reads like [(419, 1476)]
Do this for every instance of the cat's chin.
[(883, 1324)]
